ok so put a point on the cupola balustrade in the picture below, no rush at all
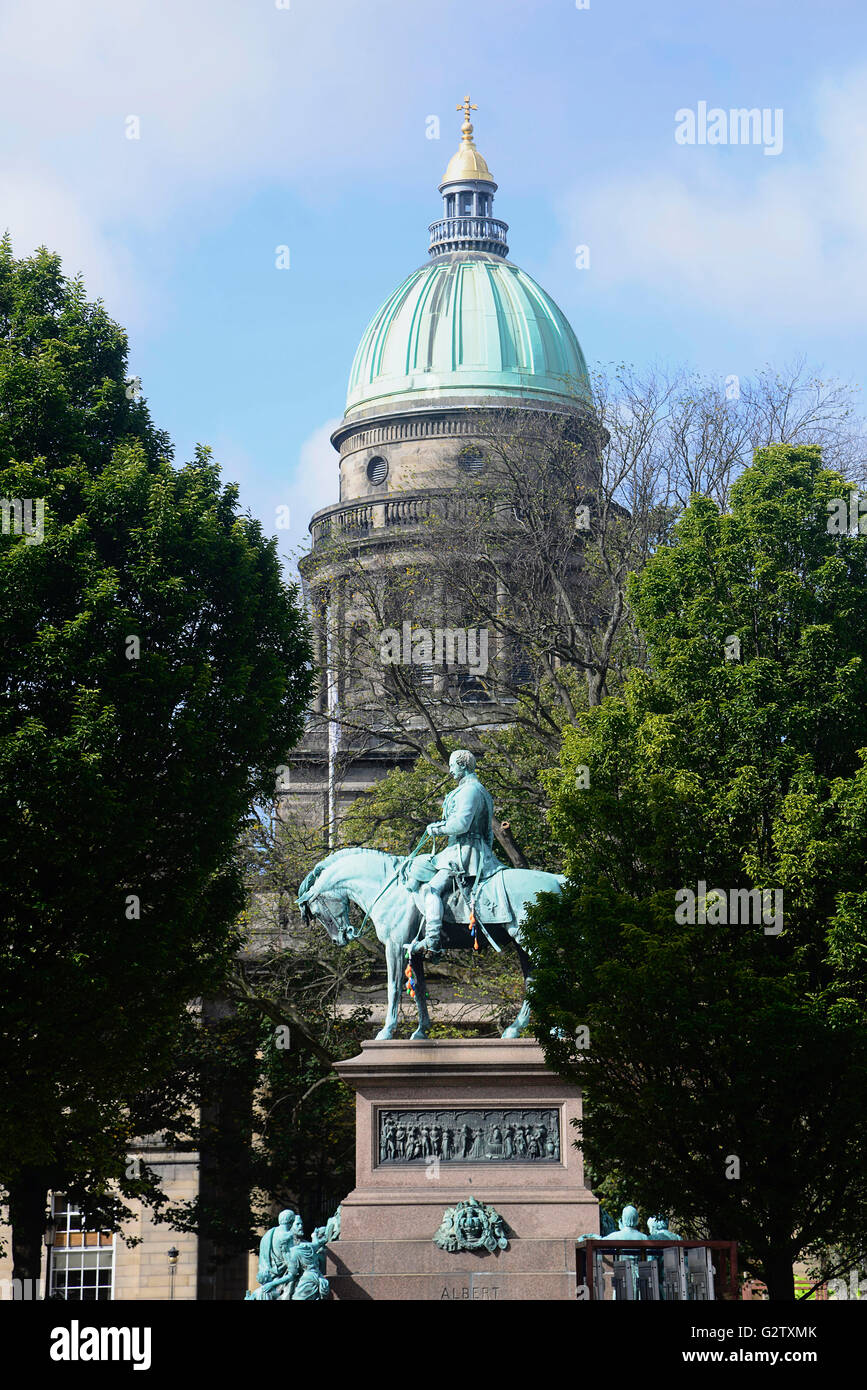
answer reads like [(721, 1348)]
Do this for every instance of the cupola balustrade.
[(469, 234), (468, 198)]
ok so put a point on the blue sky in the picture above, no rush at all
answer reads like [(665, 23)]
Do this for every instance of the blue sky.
[(305, 124)]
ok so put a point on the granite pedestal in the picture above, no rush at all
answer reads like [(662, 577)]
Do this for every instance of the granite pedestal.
[(492, 1122)]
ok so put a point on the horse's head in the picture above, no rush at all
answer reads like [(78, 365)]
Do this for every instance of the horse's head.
[(328, 903)]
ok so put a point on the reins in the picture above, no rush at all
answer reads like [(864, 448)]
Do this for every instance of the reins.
[(404, 864)]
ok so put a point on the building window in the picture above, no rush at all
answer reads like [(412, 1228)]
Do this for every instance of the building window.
[(470, 689), (471, 460), (377, 470), (82, 1261), (422, 674)]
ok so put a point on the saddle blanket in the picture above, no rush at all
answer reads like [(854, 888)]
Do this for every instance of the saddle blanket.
[(492, 904)]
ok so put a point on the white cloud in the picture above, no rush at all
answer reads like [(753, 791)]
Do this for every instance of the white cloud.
[(314, 484), (40, 211), (231, 97), (790, 245)]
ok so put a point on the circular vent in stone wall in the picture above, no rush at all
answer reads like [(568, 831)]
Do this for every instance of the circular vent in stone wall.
[(377, 470)]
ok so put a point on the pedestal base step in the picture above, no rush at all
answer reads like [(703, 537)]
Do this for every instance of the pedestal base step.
[(418, 1269)]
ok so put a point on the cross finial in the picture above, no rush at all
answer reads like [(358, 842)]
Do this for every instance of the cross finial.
[(466, 106)]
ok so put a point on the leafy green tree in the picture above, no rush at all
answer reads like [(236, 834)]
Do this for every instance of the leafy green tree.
[(276, 1129), (154, 672), (721, 1041), (294, 1004)]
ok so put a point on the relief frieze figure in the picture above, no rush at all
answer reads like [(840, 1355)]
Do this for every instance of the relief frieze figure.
[(530, 1135)]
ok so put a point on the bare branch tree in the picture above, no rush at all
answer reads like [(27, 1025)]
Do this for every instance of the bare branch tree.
[(531, 542)]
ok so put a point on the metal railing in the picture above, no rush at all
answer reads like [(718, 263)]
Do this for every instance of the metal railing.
[(470, 231)]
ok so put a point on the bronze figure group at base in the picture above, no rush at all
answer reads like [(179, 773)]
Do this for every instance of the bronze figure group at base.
[(657, 1226), (291, 1267)]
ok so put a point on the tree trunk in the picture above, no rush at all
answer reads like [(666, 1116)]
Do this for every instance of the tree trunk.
[(516, 855), (780, 1277), (224, 1176), (28, 1198)]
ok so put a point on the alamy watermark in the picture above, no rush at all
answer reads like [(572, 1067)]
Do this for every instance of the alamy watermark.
[(738, 126), (23, 516), (440, 646), (855, 1289), (77, 1343), (20, 1290), (738, 906), (847, 516)]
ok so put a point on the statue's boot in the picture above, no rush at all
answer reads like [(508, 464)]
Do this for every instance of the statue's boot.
[(433, 917)]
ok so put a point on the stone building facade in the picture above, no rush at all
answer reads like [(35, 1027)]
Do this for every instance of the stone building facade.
[(86, 1265)]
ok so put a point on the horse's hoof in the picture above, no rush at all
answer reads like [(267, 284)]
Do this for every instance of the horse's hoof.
[(421, 1035), (385, 1035), (513, 1032)]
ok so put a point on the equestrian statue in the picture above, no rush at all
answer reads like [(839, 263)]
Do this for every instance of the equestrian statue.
[(424, 904)]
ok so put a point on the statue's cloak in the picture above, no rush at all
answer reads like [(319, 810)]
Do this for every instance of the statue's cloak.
[(269, 1267)]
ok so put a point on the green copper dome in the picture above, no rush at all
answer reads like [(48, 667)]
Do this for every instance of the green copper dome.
[(467, 325)]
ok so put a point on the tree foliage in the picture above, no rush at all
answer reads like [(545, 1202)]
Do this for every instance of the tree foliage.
[(725, 1066), (154, 671)]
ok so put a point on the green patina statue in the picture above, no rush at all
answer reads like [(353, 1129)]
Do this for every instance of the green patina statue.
[(291, 1267), (274, 1250), (658, 1228), (461, 898), (332, 1227), (468, 821), (471, 1226), (628, 1227), (306, 1282)]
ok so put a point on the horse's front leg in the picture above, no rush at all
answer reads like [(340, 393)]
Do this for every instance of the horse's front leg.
[(517, 1028), (423, 1029), (394, 961)]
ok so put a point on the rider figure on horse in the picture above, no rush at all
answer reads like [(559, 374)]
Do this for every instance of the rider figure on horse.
[(468, 820)]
